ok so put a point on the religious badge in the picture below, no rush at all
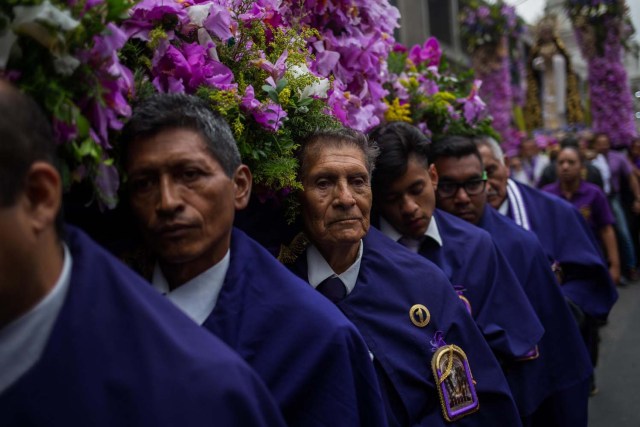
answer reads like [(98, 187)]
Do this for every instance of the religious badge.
[(532, 354), (455, 383), (419, 315), (460, 291)]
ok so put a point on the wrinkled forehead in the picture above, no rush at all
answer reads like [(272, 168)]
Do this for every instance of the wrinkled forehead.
[(316, 150)]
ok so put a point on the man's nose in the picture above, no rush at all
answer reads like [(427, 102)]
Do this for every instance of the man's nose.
[(461, 195), (169, 198), (344, 194)]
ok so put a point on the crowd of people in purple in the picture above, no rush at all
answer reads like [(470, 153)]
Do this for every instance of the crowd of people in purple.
[(421, 284)]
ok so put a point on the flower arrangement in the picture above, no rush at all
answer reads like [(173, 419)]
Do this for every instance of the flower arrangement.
[(424, 92), (483, 24), (492, 34), (275, 69), (64, 54), (250, 67), (599, 27), (354, 40)]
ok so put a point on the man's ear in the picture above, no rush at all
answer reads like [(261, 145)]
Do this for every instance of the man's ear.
[(42, 195), (242, 181), (433, 175)]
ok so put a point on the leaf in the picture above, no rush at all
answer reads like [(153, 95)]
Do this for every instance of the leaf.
[(282, 83)]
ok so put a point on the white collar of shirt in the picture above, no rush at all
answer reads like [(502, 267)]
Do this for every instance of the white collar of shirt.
[(319, 269), (412, 244), (602, 164), (22, 341), (196, 298), (504, 207)]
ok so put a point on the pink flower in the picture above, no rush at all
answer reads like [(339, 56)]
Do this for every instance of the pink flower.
[(429, 53)]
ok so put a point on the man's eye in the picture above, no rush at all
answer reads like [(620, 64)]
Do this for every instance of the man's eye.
[(417, 190), (191, 175), (140, 185), (322, 184), (359, 182)]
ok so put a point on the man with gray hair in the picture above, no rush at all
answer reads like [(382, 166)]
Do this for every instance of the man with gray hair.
[(185, 182), (565, 236), (423, 342)]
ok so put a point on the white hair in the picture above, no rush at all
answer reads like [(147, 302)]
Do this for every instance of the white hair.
[(493, 145)]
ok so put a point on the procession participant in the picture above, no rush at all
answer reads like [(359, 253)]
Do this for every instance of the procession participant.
[(404, 200), (566, 239), (83, 340), (552, 386), (186, 181), (590, 201), (617, 173), (432, 362), (561, 230)]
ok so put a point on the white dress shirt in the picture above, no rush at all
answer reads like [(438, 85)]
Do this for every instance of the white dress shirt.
[(319, 269), (196, 298), (23, 340), (504, 207), (413, 245)]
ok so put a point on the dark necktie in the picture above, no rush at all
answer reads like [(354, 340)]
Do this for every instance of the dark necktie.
[(333, 288), (429, 248)]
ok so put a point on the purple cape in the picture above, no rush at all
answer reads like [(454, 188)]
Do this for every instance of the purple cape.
[(120, 354), (391, 280), (470, 259), (563, 363), (312, 359), (566, 238)]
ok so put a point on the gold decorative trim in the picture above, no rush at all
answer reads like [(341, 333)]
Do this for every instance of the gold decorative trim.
[(289, 253)]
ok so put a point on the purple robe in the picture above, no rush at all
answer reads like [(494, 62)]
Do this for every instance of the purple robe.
[(120, 354), (470, 260), (590, 201), (560, 373), (312, 359), (391, 280), (566, 239)]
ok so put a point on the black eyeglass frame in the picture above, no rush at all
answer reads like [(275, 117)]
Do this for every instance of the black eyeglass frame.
[(465, 184)]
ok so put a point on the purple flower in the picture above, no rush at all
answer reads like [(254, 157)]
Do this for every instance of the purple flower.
[(429, 53), (483, 12), (219, 22), (270, 116), (144, 16), (473, 107), (107, 182), (63, 132), (185, 70), (276, 70), (249, 101)]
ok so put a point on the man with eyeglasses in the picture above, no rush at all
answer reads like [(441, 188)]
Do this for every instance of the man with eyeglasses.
[(404, 202), (551, 388)]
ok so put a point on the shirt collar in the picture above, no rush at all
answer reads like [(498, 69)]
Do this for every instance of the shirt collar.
[(23, 341), (432, 231), (319, 269), (504, 207), (196, 298)]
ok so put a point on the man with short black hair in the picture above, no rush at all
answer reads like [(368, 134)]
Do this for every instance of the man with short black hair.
[(552, 384), (83, 340)]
